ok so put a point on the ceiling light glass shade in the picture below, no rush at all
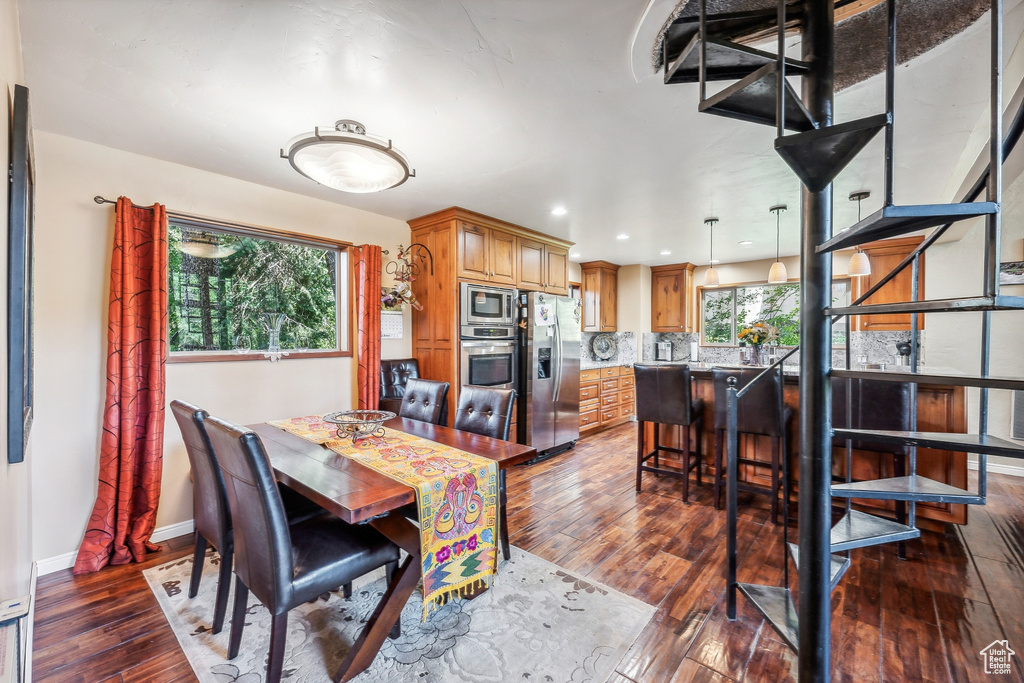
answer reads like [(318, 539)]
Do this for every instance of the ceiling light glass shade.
[(777, 274), (711, 278), (207, 245), (347, 159), (859, 266)]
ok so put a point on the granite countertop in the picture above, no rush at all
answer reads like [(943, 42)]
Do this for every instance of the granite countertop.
[(587, 364)]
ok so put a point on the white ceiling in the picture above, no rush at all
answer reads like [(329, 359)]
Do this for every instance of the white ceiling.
[(506, 107)]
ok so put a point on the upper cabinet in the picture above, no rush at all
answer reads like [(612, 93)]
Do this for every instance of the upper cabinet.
[(600, 296), (505, 254), (671, 294), (486, 254), (884, 256)]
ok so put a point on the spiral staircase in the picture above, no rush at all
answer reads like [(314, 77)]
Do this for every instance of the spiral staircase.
[(707, 48)]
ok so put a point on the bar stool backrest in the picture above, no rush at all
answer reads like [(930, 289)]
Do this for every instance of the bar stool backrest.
[(663, 394), (883, 406), (758, 412)]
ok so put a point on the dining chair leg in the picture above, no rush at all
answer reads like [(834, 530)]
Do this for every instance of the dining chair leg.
[(278, 634), (639, 451), (718, 469), (506, 548), (686, 464), (238, 617), (197, 564), (347, 590), (389, 571), (223, 588), (775, 480)]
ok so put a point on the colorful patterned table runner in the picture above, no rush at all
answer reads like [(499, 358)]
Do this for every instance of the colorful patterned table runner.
[(456, 493)]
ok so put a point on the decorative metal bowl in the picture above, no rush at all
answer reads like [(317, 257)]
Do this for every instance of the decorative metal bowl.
[(359, 424)]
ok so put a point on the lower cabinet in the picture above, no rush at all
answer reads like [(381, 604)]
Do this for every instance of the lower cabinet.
[(606, 397)]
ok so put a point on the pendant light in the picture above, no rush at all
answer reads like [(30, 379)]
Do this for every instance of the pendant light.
[(859, 263), (711, 276), (777, 274)]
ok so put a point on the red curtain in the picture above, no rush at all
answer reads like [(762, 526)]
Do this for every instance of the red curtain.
[(131, 452), (367, 266)]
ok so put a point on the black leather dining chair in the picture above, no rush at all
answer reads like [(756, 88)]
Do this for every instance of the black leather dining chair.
[(210, 511), (394, 376), (488, 411), (284, 566), (425, 400)]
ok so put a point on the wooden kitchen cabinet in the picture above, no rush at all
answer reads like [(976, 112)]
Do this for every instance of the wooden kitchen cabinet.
[(466, 245), (672, 297), (884, 256), (543, 267), (600, 296), (486, 254), (606, 397)]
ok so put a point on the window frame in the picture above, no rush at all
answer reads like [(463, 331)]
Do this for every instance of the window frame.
[(344, 320), (740, 285)]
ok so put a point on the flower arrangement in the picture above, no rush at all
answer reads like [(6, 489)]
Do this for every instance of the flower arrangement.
[(759, 332)]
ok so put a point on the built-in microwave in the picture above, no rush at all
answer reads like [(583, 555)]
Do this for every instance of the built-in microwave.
[(485, 306)]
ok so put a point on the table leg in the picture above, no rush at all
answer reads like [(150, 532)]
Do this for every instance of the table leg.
[(404, 534), (506, 550)]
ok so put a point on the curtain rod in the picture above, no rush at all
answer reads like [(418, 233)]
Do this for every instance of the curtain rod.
[(100, 200)]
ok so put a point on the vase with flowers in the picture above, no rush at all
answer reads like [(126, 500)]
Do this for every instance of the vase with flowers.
[(757, 335)]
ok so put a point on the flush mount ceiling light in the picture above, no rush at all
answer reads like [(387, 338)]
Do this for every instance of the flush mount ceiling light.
[(622, 237), (664, 252), (711, 275), (860, 265), (777, 274), (348, 159), (559, 211), (745, 243)]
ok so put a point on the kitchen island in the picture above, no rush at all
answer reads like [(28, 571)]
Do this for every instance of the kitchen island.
[(940, 408)]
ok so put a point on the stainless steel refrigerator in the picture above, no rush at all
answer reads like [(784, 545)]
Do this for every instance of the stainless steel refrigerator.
[(549, 404)]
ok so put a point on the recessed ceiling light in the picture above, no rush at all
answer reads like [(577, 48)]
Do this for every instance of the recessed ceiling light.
[(559, 211), (745, 243), (714, 260), (574, 255), (622, 237), (664, 252)]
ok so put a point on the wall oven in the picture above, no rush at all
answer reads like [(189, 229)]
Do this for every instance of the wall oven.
[(481, 305), (489, 363)]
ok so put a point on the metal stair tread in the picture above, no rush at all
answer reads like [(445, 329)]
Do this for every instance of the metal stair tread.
[(911, 487), (971, 443), (859, 530), (775, 604), (818, 156), (838, 564), (722, 25), (923, 378), (956, 305), (726, 60), (892, 221), (753, 98)]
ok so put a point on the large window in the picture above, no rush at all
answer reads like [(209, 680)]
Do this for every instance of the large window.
[(727, 310), (233, 292)]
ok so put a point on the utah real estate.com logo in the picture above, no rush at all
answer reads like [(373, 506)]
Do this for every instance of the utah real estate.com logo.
[(998, 657)]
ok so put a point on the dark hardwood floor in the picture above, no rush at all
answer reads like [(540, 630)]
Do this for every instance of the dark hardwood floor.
[(922, 619)]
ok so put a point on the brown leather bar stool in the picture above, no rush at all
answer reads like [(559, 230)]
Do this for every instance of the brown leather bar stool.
[(758, 413), (882, 406), (664, 397)]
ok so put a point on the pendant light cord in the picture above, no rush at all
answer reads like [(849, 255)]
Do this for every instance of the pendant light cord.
[(778, 231)]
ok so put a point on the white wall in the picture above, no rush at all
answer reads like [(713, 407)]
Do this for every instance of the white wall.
[(72, 280), (15, 480), (633, 312)]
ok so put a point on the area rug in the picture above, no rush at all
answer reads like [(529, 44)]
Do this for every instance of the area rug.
[(538, 622)]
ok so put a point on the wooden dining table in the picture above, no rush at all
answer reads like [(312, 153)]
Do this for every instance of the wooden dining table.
[(358, 494)]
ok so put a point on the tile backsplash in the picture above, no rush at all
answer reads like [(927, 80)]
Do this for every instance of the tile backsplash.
[(625, 349), (878, 347)]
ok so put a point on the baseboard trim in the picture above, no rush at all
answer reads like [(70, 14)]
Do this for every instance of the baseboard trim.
[(998, 468), (67, 560), (30, 622)]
